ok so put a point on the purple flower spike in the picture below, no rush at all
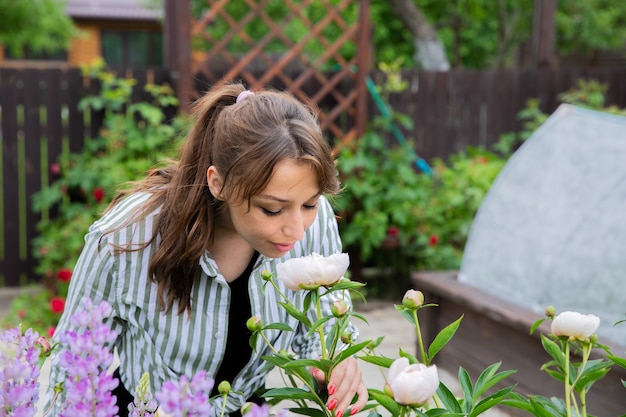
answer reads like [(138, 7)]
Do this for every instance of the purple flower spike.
[(19, 389), (186, 398), (85, 359)]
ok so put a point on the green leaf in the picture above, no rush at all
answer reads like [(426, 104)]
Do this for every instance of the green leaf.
[(554, 351), (350, 351), (516, 400), (288, 393), (303, 363), (489, 378), (377, 360), (617, 360), (448, 399), (537, 324), (278, 326), (307, 411), (315, 326), (491, 401), (407, 314), (385, 400), (467, 388), (294, 312), (443, 338), (345, 284)]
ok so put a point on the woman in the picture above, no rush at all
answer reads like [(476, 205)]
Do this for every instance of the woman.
[(179, 255)]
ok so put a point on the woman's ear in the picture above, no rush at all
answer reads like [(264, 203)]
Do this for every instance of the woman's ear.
[(214, 180)]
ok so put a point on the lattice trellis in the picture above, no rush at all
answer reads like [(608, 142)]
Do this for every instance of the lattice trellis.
[(315, 49)]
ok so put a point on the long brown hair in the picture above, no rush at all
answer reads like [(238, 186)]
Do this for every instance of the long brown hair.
[(244, 141)]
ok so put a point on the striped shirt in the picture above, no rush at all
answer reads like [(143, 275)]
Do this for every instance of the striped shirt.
[(168, 345)]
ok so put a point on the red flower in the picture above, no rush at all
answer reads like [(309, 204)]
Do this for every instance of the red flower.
[(433, 240), (392, 231), (98, 194), (64, 274), (55, 168), (21, 313), (51, 331), (57, 305)]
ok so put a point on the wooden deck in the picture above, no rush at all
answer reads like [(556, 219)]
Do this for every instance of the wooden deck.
[(494, 330)]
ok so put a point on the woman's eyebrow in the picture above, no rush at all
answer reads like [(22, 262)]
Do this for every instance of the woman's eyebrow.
[(282, 200)]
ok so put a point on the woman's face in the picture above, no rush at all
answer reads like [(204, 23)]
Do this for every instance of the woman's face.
[(279, 215)]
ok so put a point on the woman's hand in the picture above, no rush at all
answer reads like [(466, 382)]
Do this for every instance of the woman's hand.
[(345, 381)]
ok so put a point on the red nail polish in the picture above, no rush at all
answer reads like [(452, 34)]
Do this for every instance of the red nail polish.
[(332, 404), (339, 413), (331, 389), (353, 411)]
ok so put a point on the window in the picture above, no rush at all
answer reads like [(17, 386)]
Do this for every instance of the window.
[(132, 48)]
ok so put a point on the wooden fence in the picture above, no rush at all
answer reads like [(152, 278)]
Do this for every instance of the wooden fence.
[(39, 120)]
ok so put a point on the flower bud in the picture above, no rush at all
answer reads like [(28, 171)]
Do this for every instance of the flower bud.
[(223, 388), (550, 311), (45, 345), (266, 275), (339, 308), (412, 384), (593, 338), (254, 324), (413, 299), (575, 325), (246, 408), (346, 338)]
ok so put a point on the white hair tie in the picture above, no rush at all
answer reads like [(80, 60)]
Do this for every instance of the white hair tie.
[(244, 95)]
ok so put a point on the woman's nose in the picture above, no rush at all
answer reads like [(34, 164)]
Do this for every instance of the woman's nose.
[(294, 227)]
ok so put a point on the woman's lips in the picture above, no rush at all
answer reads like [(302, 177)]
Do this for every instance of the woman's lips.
[(284, 247)]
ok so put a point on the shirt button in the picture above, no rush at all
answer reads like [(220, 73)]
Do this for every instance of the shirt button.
[(219, 335)]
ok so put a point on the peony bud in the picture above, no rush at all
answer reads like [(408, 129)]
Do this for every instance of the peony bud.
[(339, 308), (413, 299), (412, 384), (575, 325), (223, 388), (550, 311), (346, 338), (254, 324), (266, 275)]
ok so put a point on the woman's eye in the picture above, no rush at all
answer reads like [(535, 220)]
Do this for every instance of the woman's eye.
[(270, 212), (310, 206)]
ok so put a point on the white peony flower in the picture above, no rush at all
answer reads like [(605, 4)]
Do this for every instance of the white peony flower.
[(313, 270), (412, 384), (573, 324)]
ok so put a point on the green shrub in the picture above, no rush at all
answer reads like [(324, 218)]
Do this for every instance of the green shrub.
[(134, 138)]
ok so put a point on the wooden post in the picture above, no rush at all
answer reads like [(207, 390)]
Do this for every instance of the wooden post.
[(177, 48), (363, 62), (543, 34)]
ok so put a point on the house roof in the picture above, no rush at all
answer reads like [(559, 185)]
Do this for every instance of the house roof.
[(112, 9)]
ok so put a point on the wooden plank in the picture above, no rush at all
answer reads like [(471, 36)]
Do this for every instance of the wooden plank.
[(32, 166), (10, 99)]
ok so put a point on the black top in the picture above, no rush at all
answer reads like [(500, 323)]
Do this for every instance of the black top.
[(238, 350)]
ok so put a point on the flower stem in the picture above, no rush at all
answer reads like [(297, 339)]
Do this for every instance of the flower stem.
[(583, 393), (223, 404), (567, 384), (419, 339), (267, 342), (320, 329)]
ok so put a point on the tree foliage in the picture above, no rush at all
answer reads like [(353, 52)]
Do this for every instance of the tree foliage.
[(488, 33), (39, 25)]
